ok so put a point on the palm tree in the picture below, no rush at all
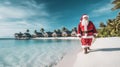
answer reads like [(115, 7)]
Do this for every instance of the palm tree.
[(49, 34), (43, 33), (64, 29), (42, 30), (102, 25), (114, 27), (35, 31), (55, 30), (58, 33), (118, 17), (109, 26), (27, 34), (20, 35), (111, 29), (117, 4), (27, 30), (16, 36), (75, 29), (102, 32), (58, 30), (64, 32)]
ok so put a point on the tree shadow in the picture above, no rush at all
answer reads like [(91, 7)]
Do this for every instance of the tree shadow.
[(105, 49)]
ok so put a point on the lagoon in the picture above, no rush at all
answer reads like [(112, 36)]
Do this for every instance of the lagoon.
[(35, 53)]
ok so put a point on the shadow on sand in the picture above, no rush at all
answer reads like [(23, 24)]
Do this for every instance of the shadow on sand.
[(105, 49)]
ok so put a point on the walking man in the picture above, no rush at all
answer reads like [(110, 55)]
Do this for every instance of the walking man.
[(86, 31)]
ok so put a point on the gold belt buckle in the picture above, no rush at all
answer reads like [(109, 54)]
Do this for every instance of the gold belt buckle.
[(85, 31)]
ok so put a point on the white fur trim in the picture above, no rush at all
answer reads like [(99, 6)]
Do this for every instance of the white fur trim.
[(85, 46), (78, 35), (87, 36), (85, 16)]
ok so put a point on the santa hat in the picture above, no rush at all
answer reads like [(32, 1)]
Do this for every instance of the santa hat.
[(84, 15)]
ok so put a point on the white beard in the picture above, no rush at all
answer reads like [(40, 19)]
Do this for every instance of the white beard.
[(85, 24)]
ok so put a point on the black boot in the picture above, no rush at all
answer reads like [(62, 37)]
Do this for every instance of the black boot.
[(85, 51), (88, 48)]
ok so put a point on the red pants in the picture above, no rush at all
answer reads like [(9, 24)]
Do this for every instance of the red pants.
[(86, 42)]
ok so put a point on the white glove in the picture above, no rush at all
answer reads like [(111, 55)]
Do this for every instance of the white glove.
[(78, 35), (95, 34)]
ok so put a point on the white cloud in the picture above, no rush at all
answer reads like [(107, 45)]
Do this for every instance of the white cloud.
[(7, 2), (21, 9), (16, 12), (9, 32), (105, 9), (9, 28), (8, 11)]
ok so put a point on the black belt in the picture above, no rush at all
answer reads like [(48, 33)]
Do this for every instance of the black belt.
[(87, 31)]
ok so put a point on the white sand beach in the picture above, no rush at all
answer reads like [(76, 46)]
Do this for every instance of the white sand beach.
[(105, 53)]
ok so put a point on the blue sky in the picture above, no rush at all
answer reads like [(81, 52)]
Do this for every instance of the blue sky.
[(19, 15)]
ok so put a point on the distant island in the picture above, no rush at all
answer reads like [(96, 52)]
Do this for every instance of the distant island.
[(112, 29), (64, 32)]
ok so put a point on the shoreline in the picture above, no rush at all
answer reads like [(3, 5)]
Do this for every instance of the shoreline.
[(44, 38), (105, 52), (76, 38), (64, 38), (68, 59)]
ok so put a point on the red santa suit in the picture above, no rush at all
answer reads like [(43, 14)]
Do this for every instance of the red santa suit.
[(87, 31)]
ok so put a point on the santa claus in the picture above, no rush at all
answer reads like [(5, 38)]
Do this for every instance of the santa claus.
[(87, 31)]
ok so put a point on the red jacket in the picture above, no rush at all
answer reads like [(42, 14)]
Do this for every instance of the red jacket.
[(91, 30)]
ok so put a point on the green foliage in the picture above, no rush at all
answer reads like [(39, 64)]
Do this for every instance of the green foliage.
[(117, 4), (112, 29)]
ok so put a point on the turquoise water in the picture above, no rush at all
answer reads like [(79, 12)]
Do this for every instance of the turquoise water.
[(34, 53)]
